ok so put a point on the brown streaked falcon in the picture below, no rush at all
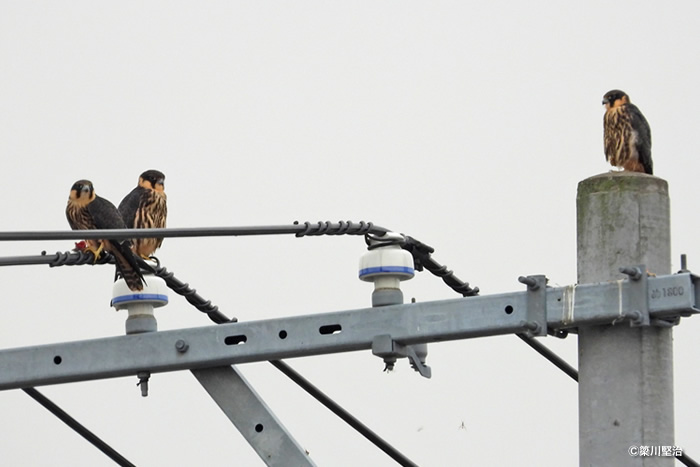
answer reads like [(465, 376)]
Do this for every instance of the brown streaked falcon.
[(627, 134), (145, 207), (87, 211)]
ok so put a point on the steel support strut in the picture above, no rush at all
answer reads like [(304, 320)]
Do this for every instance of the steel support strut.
[(256, 422)]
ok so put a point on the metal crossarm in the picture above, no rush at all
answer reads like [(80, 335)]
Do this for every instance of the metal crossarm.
[(232, 343)]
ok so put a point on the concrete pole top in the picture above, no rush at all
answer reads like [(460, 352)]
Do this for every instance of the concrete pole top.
[(622, 181), (622, 220)]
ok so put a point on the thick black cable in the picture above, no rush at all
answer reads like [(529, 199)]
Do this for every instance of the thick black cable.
[(685, 460), (68, 258), (191, 295), (74, 258), (551, 356), (343, 414), (422, 259), (77, 427)]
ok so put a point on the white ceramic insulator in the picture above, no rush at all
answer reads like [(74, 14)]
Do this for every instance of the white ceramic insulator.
[(386, 266), (154, 294)]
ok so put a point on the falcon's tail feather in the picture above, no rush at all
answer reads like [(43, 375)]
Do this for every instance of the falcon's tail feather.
[(127, 265), (143, 265)]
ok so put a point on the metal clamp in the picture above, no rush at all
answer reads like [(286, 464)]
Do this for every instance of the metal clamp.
[(638, 295), (389, 350), (536, 324)]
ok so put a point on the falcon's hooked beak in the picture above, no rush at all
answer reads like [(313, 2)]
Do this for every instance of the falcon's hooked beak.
[(159, 185)]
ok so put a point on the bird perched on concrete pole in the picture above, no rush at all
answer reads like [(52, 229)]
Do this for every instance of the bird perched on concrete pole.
[(627, 135), (87, 211), (145, 207)]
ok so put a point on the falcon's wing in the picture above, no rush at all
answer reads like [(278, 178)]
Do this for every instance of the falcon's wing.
[(129, 206), (127, 263), (643, 144), (106, 216)]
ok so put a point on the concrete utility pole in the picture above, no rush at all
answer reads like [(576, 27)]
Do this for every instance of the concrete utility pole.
[(625, 373)]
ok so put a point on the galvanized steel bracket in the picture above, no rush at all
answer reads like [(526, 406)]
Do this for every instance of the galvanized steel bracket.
[(389, 350), (536, 324), (638, 296)]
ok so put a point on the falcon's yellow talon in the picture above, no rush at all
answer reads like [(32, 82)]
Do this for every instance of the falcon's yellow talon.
[(95, 252)]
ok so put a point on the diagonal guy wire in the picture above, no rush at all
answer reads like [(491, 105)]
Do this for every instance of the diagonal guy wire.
[(78, 427)]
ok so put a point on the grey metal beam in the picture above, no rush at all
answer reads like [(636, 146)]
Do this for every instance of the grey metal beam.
[(274, 339), (249, 413)]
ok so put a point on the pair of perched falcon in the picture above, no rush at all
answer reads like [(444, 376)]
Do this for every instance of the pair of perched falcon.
[(143, 208), (626, 134)]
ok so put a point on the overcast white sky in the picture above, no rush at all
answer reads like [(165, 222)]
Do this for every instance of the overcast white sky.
[(464, 124)]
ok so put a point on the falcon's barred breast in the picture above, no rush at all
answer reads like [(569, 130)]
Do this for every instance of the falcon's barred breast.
[(627, 135), (145, 207)]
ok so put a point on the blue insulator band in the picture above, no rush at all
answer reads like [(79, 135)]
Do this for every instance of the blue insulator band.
[(404, 270), (140, 297)]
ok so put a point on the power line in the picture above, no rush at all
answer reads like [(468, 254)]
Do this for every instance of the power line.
[(298, 229), (422, 253), (191, 295)]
